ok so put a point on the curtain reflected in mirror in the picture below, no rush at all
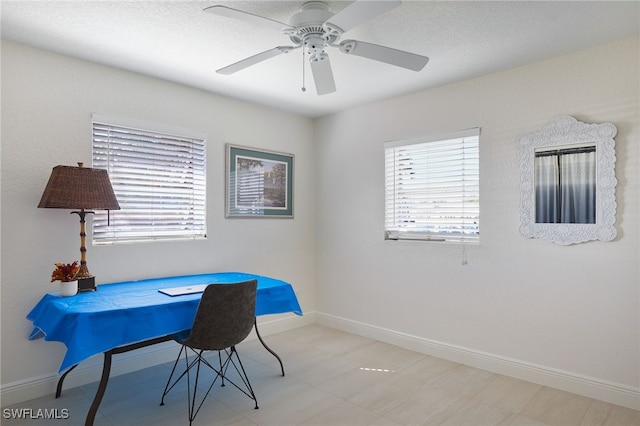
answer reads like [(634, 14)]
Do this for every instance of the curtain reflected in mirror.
[(568, 182), (565, 185)]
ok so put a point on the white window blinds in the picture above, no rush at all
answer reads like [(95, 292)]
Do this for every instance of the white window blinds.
[(432, 188), (158, 176)]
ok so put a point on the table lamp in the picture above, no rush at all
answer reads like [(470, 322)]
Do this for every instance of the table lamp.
[(80, 188)]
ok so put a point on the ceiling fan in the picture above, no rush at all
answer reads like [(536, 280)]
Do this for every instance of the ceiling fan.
[(314, 29)]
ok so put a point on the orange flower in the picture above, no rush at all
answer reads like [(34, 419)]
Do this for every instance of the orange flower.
[(65, 272)]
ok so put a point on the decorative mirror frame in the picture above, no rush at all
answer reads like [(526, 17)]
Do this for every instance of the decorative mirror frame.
[(566, 130)]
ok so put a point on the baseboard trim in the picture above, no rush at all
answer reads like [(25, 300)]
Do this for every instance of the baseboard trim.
[(614, 393), (90, 370)]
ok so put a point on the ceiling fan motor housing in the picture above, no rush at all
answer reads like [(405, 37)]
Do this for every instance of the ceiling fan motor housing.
[(311, 31)]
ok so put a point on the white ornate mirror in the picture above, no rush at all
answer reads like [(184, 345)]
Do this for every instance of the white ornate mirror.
[(567, 182)]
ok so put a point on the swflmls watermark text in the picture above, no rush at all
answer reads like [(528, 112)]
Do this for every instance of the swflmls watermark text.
[(35, 413)]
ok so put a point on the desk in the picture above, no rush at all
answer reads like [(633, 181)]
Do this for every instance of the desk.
[(124, 316)]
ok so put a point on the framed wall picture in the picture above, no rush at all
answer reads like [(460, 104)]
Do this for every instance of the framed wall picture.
[(259, 183)]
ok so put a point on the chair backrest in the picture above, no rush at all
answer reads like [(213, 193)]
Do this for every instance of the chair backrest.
[(225, 316)]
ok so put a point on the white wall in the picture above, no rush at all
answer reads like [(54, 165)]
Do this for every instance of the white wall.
[(519, 304), (47, 102)]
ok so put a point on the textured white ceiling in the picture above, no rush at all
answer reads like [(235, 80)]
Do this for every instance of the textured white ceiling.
[(177, 41)]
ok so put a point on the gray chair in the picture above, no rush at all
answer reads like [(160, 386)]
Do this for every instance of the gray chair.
[(224, 318)]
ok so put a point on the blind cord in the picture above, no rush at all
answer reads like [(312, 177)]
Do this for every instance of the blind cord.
[(464, 254)]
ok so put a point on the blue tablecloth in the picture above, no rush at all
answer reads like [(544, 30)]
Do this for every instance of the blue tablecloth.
[(122, 313)]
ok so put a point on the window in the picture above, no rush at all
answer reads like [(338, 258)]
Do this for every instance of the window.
[(158, 176), (432, 188)]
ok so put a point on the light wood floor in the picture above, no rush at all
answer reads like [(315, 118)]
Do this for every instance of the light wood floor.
[(336, 378)]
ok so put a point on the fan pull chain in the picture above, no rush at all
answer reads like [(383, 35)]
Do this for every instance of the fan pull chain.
[(304, 89)]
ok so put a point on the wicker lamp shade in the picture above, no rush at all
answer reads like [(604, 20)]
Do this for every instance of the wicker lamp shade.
[(79, 188)]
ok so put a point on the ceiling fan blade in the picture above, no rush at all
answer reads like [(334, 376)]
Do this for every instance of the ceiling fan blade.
[(252, 60), (359, 12), (388, 55), (245, 16), (323, 76)]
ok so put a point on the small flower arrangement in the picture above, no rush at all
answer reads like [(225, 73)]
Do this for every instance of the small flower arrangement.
[(65, 272)]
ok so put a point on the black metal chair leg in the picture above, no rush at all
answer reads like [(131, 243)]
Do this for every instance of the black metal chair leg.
[(192, 411), (220, 364), (167, 388), (245, 379)]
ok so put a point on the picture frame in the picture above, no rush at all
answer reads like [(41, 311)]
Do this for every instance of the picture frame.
[(259, 183)]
